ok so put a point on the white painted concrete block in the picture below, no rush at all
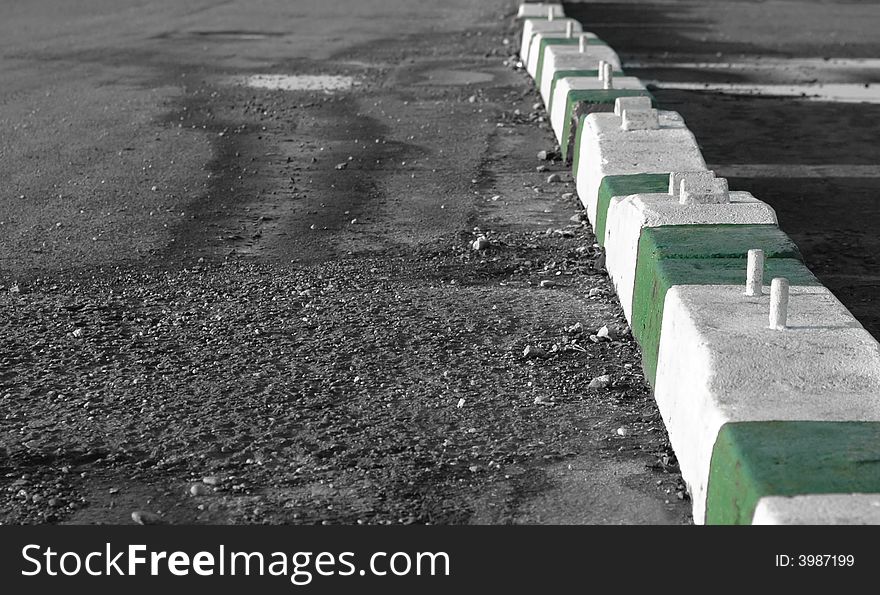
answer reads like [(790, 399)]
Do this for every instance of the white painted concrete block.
[(628, 215), (557, 104), (533, 26), (565, 57), (640, 120), (632, 104), (818, 509), (677, 177), (702, 189), (539, 10), (720, 363), (607, 150), (535, 46)]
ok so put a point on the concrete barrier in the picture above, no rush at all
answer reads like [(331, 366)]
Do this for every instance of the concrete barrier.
[(653, 282), (574, 99), (531, 27), (604, 148), (697, 255), (539, 10), (629, 216), (770, 395), (624, 185), (721, 369), (573, 73), (818, 509), (541, 42), (566, 58)]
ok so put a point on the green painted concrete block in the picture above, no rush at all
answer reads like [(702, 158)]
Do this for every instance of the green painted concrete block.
[(716, 241), (686, 255), (579, 104), (624, 185), (561, 74), (651, 285), (751, 460)]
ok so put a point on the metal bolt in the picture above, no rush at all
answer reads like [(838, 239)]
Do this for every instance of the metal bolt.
[(779, 303), (582, 44), (569, 29), (755, 273), (549, 13)]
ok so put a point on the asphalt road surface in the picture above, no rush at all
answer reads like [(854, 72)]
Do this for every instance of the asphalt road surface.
[(223, 302), (238, 283)]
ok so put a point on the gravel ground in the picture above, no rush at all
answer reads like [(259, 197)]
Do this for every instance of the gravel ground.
[(275, 314), (365, 390)]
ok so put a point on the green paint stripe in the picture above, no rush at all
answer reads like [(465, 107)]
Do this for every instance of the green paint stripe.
[(547, 41), (751, 460), (717, 241), (701, 255), (570, 40), (561, 74), (624, 185), (649, 293), (575, 160), (592, 100)]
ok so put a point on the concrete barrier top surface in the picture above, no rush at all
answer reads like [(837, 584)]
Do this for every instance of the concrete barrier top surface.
[(654, 210), (555, 62), (561, 104), (655, 274), (719, 362), (533, 26), (563, 57), (542, 42), (605, 124), (539, 10), (605, 149), (628, 216)]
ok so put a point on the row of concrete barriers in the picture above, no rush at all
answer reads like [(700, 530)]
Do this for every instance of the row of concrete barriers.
[(768, 386)]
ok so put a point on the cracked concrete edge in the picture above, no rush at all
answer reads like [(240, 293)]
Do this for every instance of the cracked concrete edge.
[(729, 387)]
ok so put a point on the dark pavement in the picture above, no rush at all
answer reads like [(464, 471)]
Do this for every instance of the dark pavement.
[(230, 304)]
